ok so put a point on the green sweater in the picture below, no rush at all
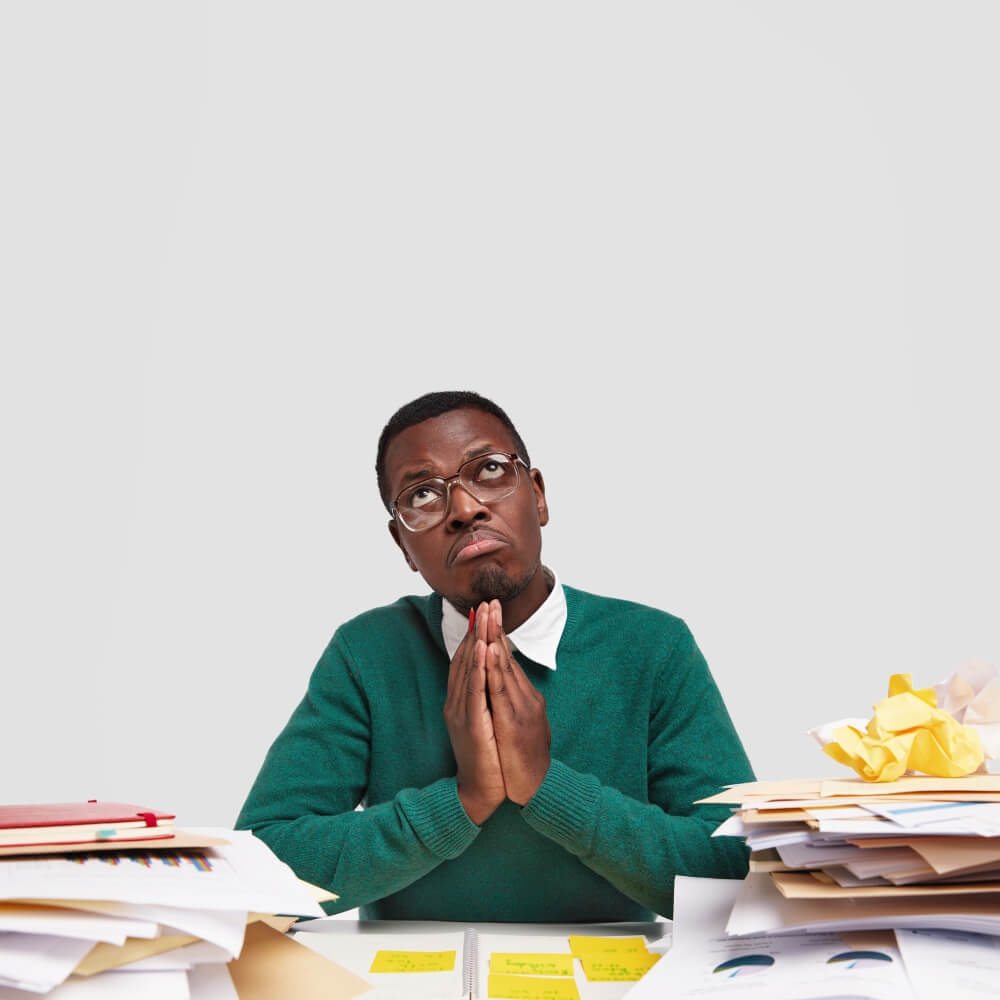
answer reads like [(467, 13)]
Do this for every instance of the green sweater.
[(639, 731)]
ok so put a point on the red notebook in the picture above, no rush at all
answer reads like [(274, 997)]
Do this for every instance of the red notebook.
[(81, 823)]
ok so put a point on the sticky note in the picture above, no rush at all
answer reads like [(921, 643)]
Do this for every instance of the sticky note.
[(581, 946), (531, 988), (536, 964), (413, 961), (623, 968)]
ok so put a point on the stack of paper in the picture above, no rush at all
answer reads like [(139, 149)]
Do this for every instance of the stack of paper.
[(158, 923), (844, 854)]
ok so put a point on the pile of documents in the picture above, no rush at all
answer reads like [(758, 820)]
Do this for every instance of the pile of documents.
[(186, 915), (842, 854)]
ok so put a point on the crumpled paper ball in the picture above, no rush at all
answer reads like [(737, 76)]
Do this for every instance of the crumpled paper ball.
[(907, 732), (971, 695)]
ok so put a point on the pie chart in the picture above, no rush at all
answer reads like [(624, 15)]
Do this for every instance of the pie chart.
[(744, 965)]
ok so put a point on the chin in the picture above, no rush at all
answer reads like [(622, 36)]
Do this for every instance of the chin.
[(492, 583)]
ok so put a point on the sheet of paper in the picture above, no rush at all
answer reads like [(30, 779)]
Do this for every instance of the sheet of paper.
[(980, 819), (950, 854), (356, 951), (116, 986), (801, 885), (187, 958), (760, 908), (971, 783), (273, 965), (501, 987), (706, 963), (211, 982), (39, 962), (531, 964), (73, 923), (951, 964), (110, 956), (244, 875)]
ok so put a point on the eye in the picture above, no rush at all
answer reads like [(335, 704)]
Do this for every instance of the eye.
[(422, 496), (492, 468)]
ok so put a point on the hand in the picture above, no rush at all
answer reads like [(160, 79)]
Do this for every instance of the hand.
[(519, 720), (470, 726)]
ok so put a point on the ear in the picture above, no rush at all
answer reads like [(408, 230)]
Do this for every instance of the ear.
[(394, 531), (538, 484)]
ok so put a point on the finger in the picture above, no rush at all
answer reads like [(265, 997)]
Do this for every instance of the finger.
[(525, 698), (505, 699), (458, 667), (495, 622), (476, 685), (482, 621)]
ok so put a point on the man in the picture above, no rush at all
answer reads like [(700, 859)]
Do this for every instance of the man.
[(524, 751)]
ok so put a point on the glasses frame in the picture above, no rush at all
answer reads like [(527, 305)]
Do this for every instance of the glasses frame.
[(446, 482)]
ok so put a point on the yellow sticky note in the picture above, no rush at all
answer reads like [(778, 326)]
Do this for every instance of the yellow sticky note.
[(535, 964), (582, 946), (531, 988), (413, 961), (621, 968)]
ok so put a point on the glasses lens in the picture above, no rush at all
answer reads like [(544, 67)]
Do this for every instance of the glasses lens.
[(489, 478), (423, 505)]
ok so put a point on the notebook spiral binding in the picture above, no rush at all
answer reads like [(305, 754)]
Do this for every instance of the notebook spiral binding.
[(470, 965)]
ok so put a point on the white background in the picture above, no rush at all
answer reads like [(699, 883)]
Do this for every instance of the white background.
[(730, 267)]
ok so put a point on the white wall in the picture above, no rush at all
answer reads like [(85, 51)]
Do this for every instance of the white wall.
[(731, 268)]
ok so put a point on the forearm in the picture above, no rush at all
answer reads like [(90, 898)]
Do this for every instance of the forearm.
[(637, 846), (303, 802), (369, 854)]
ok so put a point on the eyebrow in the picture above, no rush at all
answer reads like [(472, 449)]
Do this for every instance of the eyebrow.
[(416, 475)]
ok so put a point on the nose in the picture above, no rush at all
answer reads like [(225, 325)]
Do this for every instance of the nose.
[(463, 507)]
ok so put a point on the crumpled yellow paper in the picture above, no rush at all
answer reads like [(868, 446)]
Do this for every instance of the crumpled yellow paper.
[(907, 732)]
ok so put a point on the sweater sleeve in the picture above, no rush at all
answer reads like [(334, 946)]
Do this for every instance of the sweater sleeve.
[(303, 802), (693, 750)]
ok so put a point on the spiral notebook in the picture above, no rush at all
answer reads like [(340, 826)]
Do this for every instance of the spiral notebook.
[(416, 966)]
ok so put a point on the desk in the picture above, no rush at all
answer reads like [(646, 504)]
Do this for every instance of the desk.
[(353, 943)]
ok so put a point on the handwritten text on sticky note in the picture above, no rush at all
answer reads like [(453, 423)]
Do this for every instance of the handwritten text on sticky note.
[(531, 988), (413, 961), (617, 968), (540, 964), (581, 945)]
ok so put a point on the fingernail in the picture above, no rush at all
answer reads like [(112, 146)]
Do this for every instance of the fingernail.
[(472, 619)]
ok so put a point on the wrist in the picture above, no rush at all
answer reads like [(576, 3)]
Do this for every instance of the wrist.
[(476, 808)]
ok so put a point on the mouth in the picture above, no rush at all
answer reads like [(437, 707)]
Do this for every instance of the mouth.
[(476, 544)]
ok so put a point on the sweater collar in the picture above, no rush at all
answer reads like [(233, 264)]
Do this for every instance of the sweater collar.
[(537, 638)]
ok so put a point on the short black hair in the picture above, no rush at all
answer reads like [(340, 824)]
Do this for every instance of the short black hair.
[(434, 404)]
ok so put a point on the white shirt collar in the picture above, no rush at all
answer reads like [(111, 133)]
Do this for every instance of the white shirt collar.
[(538, 637)]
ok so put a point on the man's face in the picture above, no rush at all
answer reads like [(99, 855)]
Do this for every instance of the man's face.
[(479, 551)]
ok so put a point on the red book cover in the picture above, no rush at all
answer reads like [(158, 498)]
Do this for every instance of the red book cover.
[(21, 817)]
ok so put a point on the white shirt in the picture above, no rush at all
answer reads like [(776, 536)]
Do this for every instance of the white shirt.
[(538, 637)]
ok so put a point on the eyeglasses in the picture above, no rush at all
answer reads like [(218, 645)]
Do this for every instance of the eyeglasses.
[(486, 479)]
